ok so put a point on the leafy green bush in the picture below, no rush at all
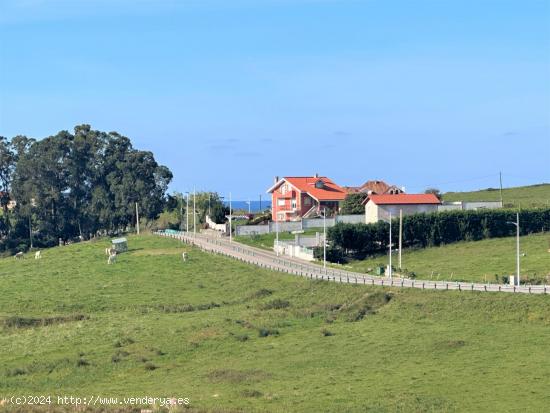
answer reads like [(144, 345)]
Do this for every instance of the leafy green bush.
[(276, 304), (432, 229), (265, 332)]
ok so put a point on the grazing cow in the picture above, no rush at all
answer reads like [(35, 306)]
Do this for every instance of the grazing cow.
[(111, 259), (38, 255), (18, 256), (184, 256)]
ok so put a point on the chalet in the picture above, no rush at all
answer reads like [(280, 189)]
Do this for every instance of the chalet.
[(297, 197), (379, 207), (375, 187)]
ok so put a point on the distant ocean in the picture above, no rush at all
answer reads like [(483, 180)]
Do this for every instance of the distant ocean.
[(254, 205)]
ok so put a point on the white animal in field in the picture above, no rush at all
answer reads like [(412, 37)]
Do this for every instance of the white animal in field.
[(111, 259), (18, 256), (184, 256), (110, 251), (38, 255)]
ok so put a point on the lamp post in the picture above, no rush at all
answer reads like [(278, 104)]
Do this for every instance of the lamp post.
[(325, 238), (194, 213), (517, 245), (389, 267), (277, 233), (181, 211), (187, 212), (230, 220)]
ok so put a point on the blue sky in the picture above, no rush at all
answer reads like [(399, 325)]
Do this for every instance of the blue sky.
[(228, 94)]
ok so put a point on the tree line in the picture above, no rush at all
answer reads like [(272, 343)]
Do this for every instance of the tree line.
[(75, 185), (432, 229)]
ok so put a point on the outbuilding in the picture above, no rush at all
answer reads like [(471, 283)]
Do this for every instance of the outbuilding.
[(379, 207), (120, 245)]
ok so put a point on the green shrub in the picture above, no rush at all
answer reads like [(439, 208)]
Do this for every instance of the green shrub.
[(150, 366), (263, 292), (265, 332), (432, 229), (276, 304), (326, 333)]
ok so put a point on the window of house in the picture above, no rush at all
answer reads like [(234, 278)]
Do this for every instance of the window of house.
[(293, 203), (284, 188), (280, 217), (280, 202), (319, 184), (307, 201)]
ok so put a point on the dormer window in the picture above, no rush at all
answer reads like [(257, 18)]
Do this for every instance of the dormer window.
[(319, 184)]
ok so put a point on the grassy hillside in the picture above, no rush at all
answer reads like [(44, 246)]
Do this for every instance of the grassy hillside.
[(473, 261), (232, 337), (524, 196)]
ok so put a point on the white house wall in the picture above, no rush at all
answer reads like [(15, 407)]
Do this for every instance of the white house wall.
[(375, 213)]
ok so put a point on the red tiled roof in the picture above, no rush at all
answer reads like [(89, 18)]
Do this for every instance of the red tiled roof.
[(403, 199), (374, 187), (329, 192), (377, 187)]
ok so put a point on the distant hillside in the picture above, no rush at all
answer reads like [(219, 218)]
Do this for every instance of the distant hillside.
[(525, 196)]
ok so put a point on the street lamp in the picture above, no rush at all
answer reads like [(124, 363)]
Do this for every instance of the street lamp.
[(517, 245), (187, 213), (325, 239), (230, 219), (389, 267), (194, 213)]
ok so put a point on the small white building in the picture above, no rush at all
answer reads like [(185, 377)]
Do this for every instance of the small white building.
[(379, 207), (469, 205)]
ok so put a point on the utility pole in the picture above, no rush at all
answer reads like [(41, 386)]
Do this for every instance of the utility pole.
[(194, 212), (230, 219), (517, 246), (400, 236), (276, 229), (30, 230), (137, 218), (187, 213), (325, 239), (260, 203), (501, 202), (181, 211), (389, 267)]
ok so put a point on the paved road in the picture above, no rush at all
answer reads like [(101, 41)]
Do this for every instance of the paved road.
[(269, 260)]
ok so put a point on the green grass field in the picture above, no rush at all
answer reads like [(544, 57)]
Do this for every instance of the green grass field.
[(521, 196), (232, 337), (472, 261)]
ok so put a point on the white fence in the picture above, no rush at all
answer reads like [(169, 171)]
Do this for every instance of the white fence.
[(268, 260), (305, 223)]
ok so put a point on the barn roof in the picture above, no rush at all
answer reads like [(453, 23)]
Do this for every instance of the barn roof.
[(403, 199)]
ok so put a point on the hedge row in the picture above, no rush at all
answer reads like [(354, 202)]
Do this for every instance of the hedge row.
[(438, 228)]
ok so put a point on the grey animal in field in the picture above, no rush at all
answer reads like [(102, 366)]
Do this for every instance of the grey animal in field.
[(184, 256), (38, 255), (18, 256)]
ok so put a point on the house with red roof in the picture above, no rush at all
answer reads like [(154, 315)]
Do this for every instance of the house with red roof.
[(379, 207), (297, 197), (375, 187)]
